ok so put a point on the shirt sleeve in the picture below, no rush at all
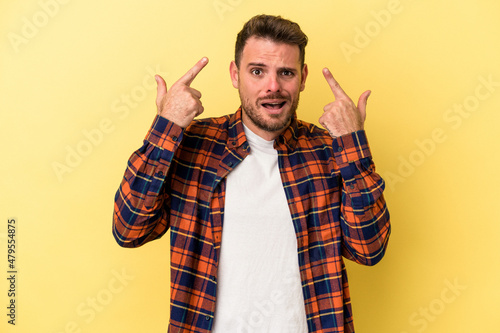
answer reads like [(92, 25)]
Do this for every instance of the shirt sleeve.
[(141, 202), (364, 216)]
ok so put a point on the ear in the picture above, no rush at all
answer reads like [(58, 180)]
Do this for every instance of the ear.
[(233, 71), (305, 71)]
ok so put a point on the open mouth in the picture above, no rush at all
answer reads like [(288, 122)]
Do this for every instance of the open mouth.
[(273, 106)]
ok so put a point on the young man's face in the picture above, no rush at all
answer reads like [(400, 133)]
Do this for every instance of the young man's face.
[(269, 80)]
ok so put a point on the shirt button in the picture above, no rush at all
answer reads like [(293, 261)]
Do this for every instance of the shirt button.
[(160, 174), (339, 149), (230, 164), (351, 186), (174, 138), (207, 318)]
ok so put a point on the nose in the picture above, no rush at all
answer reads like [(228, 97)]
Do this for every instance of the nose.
[(273, 83)]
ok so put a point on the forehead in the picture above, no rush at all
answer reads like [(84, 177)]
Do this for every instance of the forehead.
[(266, 51)]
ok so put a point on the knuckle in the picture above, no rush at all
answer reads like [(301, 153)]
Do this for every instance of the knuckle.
[(342, 103), (329, 107), (193, 103)]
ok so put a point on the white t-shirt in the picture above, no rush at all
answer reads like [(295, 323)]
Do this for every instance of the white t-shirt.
[(259, 287)]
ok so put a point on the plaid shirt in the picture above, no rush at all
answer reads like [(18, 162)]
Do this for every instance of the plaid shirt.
[(176, 181)]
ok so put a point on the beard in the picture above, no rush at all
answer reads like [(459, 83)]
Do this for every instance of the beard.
[(278, 122)]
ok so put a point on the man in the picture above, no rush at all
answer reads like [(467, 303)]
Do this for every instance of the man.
[(261, 206)]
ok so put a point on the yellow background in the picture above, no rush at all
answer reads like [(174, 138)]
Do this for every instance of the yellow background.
[(72, 69)]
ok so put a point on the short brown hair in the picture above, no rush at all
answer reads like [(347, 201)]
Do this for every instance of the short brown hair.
[(275, 28)]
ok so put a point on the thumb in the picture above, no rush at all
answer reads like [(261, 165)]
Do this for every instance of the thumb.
[(363, 99), (161, 89)]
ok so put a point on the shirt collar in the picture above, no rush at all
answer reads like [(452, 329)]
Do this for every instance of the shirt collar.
[(287, 140), (236, 132)]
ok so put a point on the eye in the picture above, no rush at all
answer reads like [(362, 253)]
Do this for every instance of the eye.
[(256, 71), (287, 73)]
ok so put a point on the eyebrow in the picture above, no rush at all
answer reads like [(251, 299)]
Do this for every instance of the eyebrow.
[(258, 64)]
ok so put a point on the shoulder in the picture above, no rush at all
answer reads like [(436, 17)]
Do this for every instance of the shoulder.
[(312, 133), (208, 134), (208, 126)]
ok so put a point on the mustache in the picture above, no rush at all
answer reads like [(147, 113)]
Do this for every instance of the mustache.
[(273, 96)]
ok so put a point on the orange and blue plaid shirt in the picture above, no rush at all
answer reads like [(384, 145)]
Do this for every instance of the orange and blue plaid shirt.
[(176, 182)]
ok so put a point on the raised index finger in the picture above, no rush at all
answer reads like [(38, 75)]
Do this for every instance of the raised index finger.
[(334, 85), (191, 74)]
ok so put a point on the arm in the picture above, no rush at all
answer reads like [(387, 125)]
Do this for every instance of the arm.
[(364, 216), (141, 212)]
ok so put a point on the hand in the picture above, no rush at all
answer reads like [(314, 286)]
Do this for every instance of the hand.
[(342, 116), (181, 103)]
